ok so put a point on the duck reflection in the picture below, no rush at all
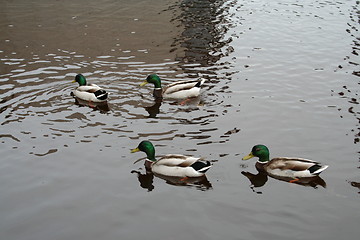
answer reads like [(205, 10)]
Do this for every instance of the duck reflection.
[(146, 181), (199, 183), (101, 106), (258, 180), (154, 109)]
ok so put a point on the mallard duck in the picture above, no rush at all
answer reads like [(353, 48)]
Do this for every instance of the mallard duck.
[(177, 90), (293, 168), (173, 165), (89, 93)]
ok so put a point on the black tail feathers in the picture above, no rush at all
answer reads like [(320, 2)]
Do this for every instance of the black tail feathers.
[(101, 94), (201, 166), (200, 83), (315, 169)]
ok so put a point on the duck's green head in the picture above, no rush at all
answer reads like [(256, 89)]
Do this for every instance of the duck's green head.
[(260, 151), (146, 147), (152, 78), (80, 79)]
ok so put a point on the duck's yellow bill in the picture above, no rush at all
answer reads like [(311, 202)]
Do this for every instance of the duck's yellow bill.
[(143, 83), (73, 81), (135, 150), (251, 155)]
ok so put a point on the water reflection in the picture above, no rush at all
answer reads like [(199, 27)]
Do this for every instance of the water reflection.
[(199, 183), (205, 23), (154, 109), (105, 41), (259, 179), (352, 65), (146, 180), (356, 185)]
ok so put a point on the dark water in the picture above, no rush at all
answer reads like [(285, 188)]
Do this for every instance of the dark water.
[(285, 74)]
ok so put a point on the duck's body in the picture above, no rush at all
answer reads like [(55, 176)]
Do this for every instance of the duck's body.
[(284, 167), (177, 90), (174, 165), (291, 167), (183, 89), (89, 93), (177, 165)]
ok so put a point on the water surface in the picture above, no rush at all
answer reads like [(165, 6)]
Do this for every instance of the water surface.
[(284, 74)]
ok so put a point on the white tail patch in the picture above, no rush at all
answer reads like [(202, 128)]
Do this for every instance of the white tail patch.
[(320, 169)]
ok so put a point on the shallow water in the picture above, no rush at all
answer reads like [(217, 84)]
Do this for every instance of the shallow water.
[(282, 74)]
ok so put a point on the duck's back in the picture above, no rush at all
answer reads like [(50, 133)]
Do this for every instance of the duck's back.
[(293, 167), (183, 89)]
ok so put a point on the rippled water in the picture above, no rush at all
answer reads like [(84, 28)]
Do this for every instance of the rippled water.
[(285, 74)]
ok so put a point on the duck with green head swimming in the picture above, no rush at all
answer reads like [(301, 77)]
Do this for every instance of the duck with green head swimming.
[(174, 165), (89, 92), (178, 90), (283, 167)]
